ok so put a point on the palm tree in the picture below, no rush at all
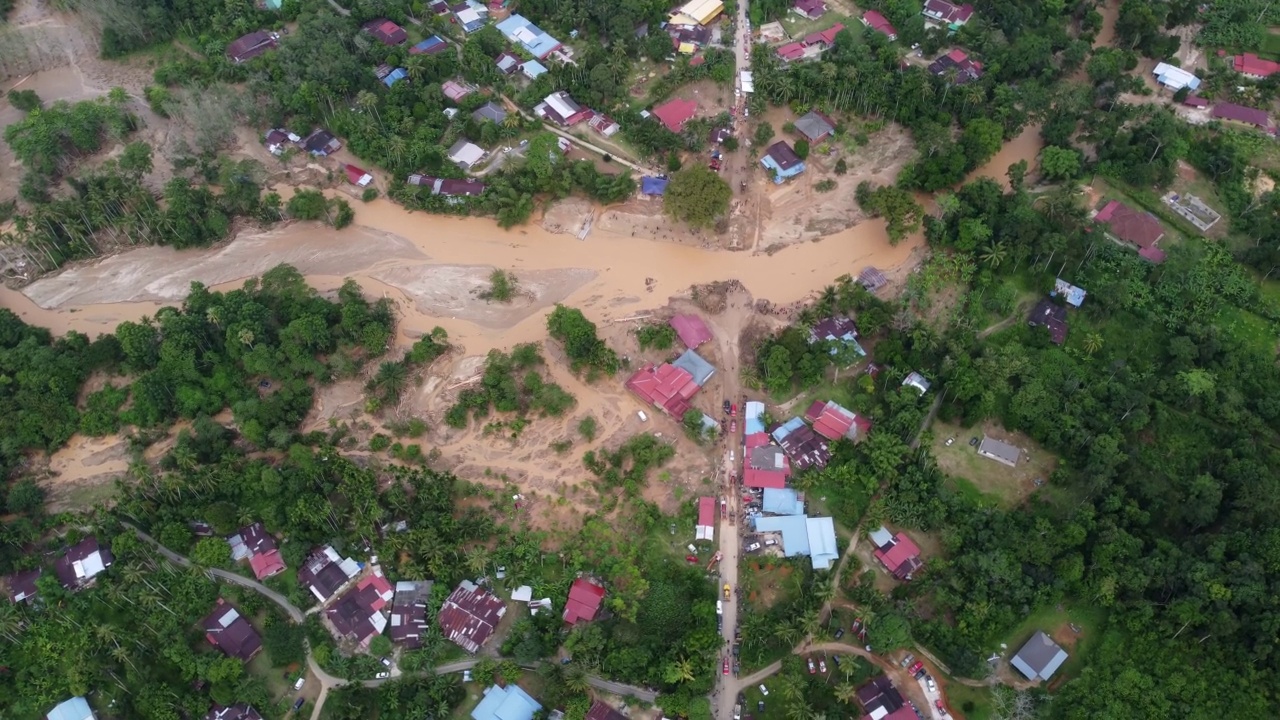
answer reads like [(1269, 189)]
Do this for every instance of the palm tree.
[(792, 689), (415, 67), (846, 693), (1092, 343), (993, 254), (787, 633), (576, 680), (477, 560)]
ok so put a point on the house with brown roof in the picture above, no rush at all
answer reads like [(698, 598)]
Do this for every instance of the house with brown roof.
[(880, 700), (1134, 227), (321, 142), (82, 562), (957, 61), (235, 712), (782, 159), (1052, 317), (325, 572), (811, 9), (447, 187), (387, 32), (255, 544), (357, 615), (601, 711), (469, 615), (561, 109), (943, 14), (248, 47), (584, 601), (815, 126), (409, 613), (1234, 113), (21, 586), (229, 631)]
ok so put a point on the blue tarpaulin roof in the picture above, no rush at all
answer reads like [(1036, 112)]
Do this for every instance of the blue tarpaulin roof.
[(394, 77), (653, 185), (782, 501), (426, 46), (700, 369), (787, 428), (74, 709)]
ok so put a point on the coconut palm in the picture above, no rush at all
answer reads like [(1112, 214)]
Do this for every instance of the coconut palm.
[(993, 254), (846, 693), (1092, 343)]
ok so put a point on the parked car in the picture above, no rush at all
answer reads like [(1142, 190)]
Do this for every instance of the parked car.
[(753, 547), (726, 666), (737, 712), (929, 683), (839, 633), (466, 674), (737, 649), (822, 666), (857, 623), (973, 441), (297, 704), (942, 709), (298, 685), (917, 667), (727, 591), (950, 441), (770, 542), (737, 667), (906, 661), (719, 607), (733, 426), (733, 410), (836, 659), (386, 662), (383, 675), (760, 706), (726, 407), (919, 675), (812, 668), (764, 690)]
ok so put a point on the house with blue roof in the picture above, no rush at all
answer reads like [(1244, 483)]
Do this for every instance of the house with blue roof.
[(802, 535), (506, 703), (533, 69), (431, 46), (753, 413), (519, 30), (653, 185), (782, 501), (700, 369)]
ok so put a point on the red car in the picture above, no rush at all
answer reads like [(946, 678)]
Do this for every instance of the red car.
[(941, 708), (733, 410), (726, 666), (916, 668), (691, 558), (812, 668), (733, 425)]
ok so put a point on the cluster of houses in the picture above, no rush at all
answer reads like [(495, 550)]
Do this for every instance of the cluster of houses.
[(76, 568), (810, 46), (670, 386), (880, 700)]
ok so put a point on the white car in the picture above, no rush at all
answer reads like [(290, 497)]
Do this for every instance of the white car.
[(386, 662), (764, 690), (383, 675), (719, 607), (929, 683), (298, 685)]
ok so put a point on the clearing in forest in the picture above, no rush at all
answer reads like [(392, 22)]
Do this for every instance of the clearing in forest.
[(1009, 486)]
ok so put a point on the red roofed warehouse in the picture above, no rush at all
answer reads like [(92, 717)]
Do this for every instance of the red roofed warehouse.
[(584, 601), (469, 615), (1252, 66), (899, 555), (1134, 227), (675, 113), (387, 32), (229, 631), (692, 331)]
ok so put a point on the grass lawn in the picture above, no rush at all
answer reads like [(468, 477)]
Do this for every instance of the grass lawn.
[(1250, 329), (277, 686), (1056, 623), (969, 702), (766, 580), (797, 27), (970, 472)]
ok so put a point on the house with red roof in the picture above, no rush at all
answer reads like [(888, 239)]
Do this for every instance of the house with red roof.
[(387, 32), (21, 586), (255, 544), (1134, 227), (874, 20), (811, 45), (966, 69), (1254, 67), (675, 113), (469, 615), (833, 422), (562, 109), (357, 615), (251, 46), (358, 176), (1232, 112), (706, 527), (897, 553), (584, 601), (764, 465)]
